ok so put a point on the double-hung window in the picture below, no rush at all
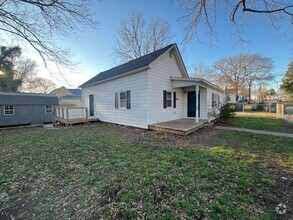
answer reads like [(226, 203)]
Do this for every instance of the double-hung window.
[(168, 98), (49, 109), (9, 110), (123, 100), (215, 100)]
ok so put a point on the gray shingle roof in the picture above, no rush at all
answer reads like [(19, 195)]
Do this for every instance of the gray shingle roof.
[(127, 67), (70, 97), (75, 92)]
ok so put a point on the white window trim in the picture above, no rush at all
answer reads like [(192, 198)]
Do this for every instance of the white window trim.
[(119, 100), (46, 109), (13, 109), (171, 99)]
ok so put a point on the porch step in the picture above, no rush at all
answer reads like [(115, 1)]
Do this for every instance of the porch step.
[(180, 126)]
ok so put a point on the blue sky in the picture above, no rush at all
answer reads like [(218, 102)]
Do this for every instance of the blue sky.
[(94, 46)]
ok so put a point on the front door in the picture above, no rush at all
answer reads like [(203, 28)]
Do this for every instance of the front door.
[(91, 105), (191, 103)]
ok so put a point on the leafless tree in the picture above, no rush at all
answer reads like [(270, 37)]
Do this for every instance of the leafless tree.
[(259, 70), (25, 68), (201, 70), (244, 69), (35, 84), (38, 22), (136, 37), (204, 13)]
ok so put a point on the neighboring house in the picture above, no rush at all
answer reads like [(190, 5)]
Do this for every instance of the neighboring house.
[(26, 108), (68, 97), (232, 94), (150, 89)]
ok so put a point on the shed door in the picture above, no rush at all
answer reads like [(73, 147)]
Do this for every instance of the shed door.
[(36, 114), (191, 102), (24, 114), (91, 105)]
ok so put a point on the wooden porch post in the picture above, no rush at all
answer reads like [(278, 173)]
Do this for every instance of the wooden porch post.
[(196, 103)]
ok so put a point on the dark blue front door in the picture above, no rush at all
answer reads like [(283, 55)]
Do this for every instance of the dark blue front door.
[(191, 103)]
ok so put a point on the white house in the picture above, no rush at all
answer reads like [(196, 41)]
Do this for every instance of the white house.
[(68, 97), (151, 89)]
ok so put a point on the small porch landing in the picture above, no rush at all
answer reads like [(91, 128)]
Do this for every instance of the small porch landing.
[(182, 126)]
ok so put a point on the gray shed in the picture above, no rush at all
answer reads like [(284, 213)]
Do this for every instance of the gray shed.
[(26, 108)]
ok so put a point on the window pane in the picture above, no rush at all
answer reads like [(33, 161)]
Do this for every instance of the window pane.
[(169, 99), (123, 103), (122, 99), (8, 110), (123, 95), (48, 108)]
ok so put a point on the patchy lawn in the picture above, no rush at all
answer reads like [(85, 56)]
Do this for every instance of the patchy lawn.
[(262, 123), (108, 171)]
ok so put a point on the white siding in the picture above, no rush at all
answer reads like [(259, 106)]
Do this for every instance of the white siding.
[(159, 79), (104, 100)]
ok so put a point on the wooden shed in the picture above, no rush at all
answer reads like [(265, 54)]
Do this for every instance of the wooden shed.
[(26, 108)]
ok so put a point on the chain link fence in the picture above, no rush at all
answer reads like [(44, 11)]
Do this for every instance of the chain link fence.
[(271, 109)]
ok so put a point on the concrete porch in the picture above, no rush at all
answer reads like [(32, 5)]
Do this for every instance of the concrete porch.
[(182, 126)]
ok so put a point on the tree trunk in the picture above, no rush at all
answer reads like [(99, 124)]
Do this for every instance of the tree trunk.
[(249, 92)]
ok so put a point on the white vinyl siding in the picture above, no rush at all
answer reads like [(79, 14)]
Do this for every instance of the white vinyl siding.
[(8, 109), (158, 81), (105, 100)]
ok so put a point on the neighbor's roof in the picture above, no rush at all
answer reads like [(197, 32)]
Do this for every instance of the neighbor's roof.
[(70, 97), (75, 92), (17, 98), (231, 91), (138, 63)]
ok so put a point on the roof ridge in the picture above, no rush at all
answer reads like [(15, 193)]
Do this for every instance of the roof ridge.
[(131, 65)]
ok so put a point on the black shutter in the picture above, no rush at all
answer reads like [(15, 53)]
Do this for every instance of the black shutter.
[(116, 100), (128, 99), (164, 99), (174, 99)]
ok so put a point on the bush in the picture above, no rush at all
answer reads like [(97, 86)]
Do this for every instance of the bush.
[(226, 112)]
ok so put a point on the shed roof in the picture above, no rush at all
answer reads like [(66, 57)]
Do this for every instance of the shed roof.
[(127, 67), (15, 98)]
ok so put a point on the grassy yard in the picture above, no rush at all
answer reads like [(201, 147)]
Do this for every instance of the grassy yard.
[(262, 123), (114, 172)]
